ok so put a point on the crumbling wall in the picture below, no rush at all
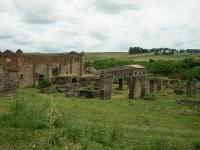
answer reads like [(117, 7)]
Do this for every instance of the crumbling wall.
[(7, 84)]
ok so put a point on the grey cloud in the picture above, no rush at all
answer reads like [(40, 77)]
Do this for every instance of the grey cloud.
[(52, 26), (112, 6), (5, 36), (99, 36), (36, 12)]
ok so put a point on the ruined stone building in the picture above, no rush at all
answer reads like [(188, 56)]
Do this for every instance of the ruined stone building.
[(136, 76), (28, 68)]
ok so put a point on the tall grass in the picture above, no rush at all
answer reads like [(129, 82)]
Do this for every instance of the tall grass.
[(25, 114)]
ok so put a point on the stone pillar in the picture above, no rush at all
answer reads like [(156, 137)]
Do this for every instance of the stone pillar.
[(189, 88), (144, 85), (159, 84), (153, 86), (121, 84), (194, 86), (105, 91), (166, 83), (135, 88)]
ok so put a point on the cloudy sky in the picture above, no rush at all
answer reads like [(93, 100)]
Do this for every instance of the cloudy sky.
[(98, 25)]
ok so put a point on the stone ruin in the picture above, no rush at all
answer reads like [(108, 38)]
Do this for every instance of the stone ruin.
[(8, 85), (191, 87), (105, 86), (138, 87), (159, 84), (153, 85), (89, 86)]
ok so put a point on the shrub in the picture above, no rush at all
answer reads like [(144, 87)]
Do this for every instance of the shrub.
[(44, 83), (196, 145)]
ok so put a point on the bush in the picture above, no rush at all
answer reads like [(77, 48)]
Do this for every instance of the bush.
[(44, 84), (196, 145)]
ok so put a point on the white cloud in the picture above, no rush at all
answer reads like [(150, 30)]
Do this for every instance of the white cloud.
[(98, 25)]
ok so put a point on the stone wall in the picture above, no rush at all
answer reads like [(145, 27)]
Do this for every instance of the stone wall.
[(8, 85), (28, 69)]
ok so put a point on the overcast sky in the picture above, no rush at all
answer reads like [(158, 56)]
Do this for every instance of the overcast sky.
[(98, 25)]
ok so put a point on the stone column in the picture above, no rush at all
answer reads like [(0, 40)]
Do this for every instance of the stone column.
[(189, 88), (144, 85), (135, 88), (194, 86), (159, 84), (153, 86), (105, 87), (166, 83)]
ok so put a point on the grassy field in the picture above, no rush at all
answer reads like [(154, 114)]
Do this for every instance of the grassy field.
[(137, 57), (40, 121)]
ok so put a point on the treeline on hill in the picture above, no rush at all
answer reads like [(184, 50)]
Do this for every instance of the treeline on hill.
[(183, 69), (161, 51)]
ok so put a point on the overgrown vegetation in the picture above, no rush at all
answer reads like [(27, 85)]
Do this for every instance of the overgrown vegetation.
[(44, 83), (33, 121), (184, 69), (110, 63)]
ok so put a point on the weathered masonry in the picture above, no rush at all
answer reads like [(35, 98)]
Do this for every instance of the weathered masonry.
[(124, 74), (89, 86), (7, 84), (29, 68), (135, 76)]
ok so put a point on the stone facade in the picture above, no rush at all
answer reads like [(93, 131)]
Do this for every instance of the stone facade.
[(29, 68)]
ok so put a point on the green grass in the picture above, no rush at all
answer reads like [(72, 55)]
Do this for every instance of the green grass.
[(28, 122), (136, 57)]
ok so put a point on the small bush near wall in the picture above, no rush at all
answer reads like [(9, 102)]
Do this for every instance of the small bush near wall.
[(44, 83)]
